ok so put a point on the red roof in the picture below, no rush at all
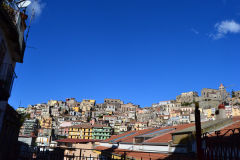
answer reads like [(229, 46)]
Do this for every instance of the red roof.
[(221, 106), (69, 140), (163, 138), (117, 136), (130, 138), (235, 124)]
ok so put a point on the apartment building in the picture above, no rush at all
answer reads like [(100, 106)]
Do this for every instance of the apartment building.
[(46, 123), (21, 110), (129, 107), (112, 105), (87, 105), (85, 144), (88, 131), (140, 126), (12, 47), (236, 94), (71, 102), (29, 127), (101, 132), (80, 132)]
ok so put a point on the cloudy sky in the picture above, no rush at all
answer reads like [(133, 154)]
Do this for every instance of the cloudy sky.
[(141, 51)]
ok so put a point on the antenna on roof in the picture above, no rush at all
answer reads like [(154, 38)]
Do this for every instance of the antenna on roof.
[(20, 103)]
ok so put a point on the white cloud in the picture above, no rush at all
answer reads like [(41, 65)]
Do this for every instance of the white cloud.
[(225, 27), (195, 31), (37, 6)]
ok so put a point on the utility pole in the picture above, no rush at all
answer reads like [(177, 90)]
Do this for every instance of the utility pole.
[(198, 131)]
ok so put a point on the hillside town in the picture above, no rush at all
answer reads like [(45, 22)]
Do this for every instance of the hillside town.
[(46, 123), (192, 126)]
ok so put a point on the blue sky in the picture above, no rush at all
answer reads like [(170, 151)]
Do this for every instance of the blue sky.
[(141, 51)]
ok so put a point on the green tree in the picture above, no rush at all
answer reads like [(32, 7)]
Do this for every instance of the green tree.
[(186, 104), (24, 116)]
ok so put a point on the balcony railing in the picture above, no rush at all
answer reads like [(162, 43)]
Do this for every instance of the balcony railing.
[(69, 153), (7, 76)]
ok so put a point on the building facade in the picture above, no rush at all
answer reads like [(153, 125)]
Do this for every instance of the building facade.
[(29, 127), (187, 97), (101, 132), (12, 47), (80, 132)]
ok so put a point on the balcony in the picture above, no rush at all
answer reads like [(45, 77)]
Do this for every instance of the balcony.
[(12, 22), (7, 76)]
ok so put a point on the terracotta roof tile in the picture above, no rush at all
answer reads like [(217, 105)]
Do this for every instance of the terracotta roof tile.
[(158, 139), (130, 138), (166, 137), (117, 136), (225, 131)]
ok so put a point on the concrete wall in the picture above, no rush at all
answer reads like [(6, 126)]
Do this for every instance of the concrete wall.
[(143, 148), (209, 104), (25, 140), (85, 153), (7, 59)]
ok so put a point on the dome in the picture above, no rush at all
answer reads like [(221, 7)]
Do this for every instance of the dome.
[(221, 106)]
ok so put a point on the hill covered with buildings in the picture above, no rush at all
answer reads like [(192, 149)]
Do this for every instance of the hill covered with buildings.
[(87, 119)]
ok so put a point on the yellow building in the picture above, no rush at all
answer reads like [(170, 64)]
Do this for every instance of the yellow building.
[(80, 132), (235, 111), (76, 109), (208, 112), (46, 123), (86, 105), (52, 102), (175, 113)]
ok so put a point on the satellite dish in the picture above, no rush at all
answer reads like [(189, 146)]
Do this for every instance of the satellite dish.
[(23, 4)]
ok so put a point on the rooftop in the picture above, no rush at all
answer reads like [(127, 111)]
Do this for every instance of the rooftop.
[(68, 140), (206, 126), (154, 135), (134, 154), (88, 126)]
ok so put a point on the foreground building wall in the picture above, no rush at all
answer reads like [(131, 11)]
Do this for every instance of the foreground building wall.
[(12, 46)]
